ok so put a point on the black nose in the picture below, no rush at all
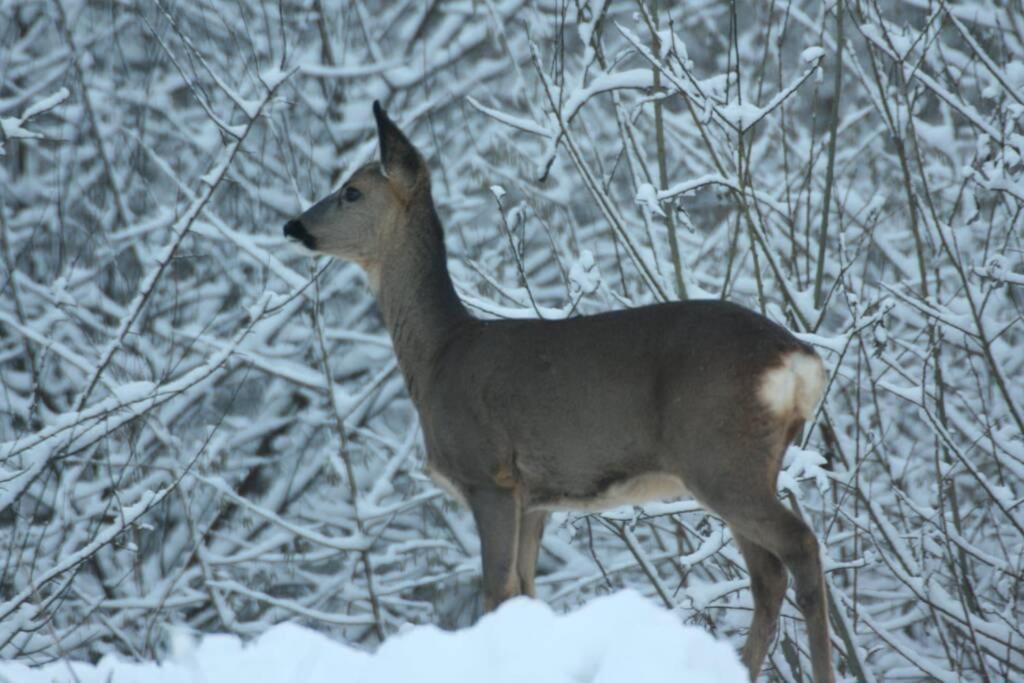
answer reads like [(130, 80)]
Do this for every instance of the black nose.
[(296, 230)]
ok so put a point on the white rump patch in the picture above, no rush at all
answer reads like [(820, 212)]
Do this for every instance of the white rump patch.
[(636, 490), (794, 388)]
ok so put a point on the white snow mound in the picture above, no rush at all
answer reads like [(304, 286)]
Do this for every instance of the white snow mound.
[(620, 637)]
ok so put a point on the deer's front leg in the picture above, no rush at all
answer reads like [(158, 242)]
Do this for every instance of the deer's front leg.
[(497, 512), (531, 528)]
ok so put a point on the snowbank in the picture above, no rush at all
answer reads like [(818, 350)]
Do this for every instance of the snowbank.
[(621, 637)]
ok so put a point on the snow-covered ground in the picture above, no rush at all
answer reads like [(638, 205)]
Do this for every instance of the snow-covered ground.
[(620, 637)]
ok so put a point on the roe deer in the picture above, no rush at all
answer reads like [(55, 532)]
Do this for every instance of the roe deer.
[(521, 417)]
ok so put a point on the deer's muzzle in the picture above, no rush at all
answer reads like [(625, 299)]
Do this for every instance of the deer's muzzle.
[(297, 231)]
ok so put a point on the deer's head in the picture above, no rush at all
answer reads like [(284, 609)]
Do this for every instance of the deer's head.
[(372, 208)]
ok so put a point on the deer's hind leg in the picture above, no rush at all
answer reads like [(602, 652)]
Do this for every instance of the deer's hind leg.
[(784, 535), (498, 514), (768, 585)]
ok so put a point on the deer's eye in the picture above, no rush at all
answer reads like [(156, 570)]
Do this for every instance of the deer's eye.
[(351, 194)]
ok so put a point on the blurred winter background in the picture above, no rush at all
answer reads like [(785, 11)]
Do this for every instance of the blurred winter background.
[(203, 430)]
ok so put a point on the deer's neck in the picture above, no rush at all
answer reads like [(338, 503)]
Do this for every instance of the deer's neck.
[(416, 296)]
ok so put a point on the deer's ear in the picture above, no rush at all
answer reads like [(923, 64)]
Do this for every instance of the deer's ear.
[(402, 163)]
